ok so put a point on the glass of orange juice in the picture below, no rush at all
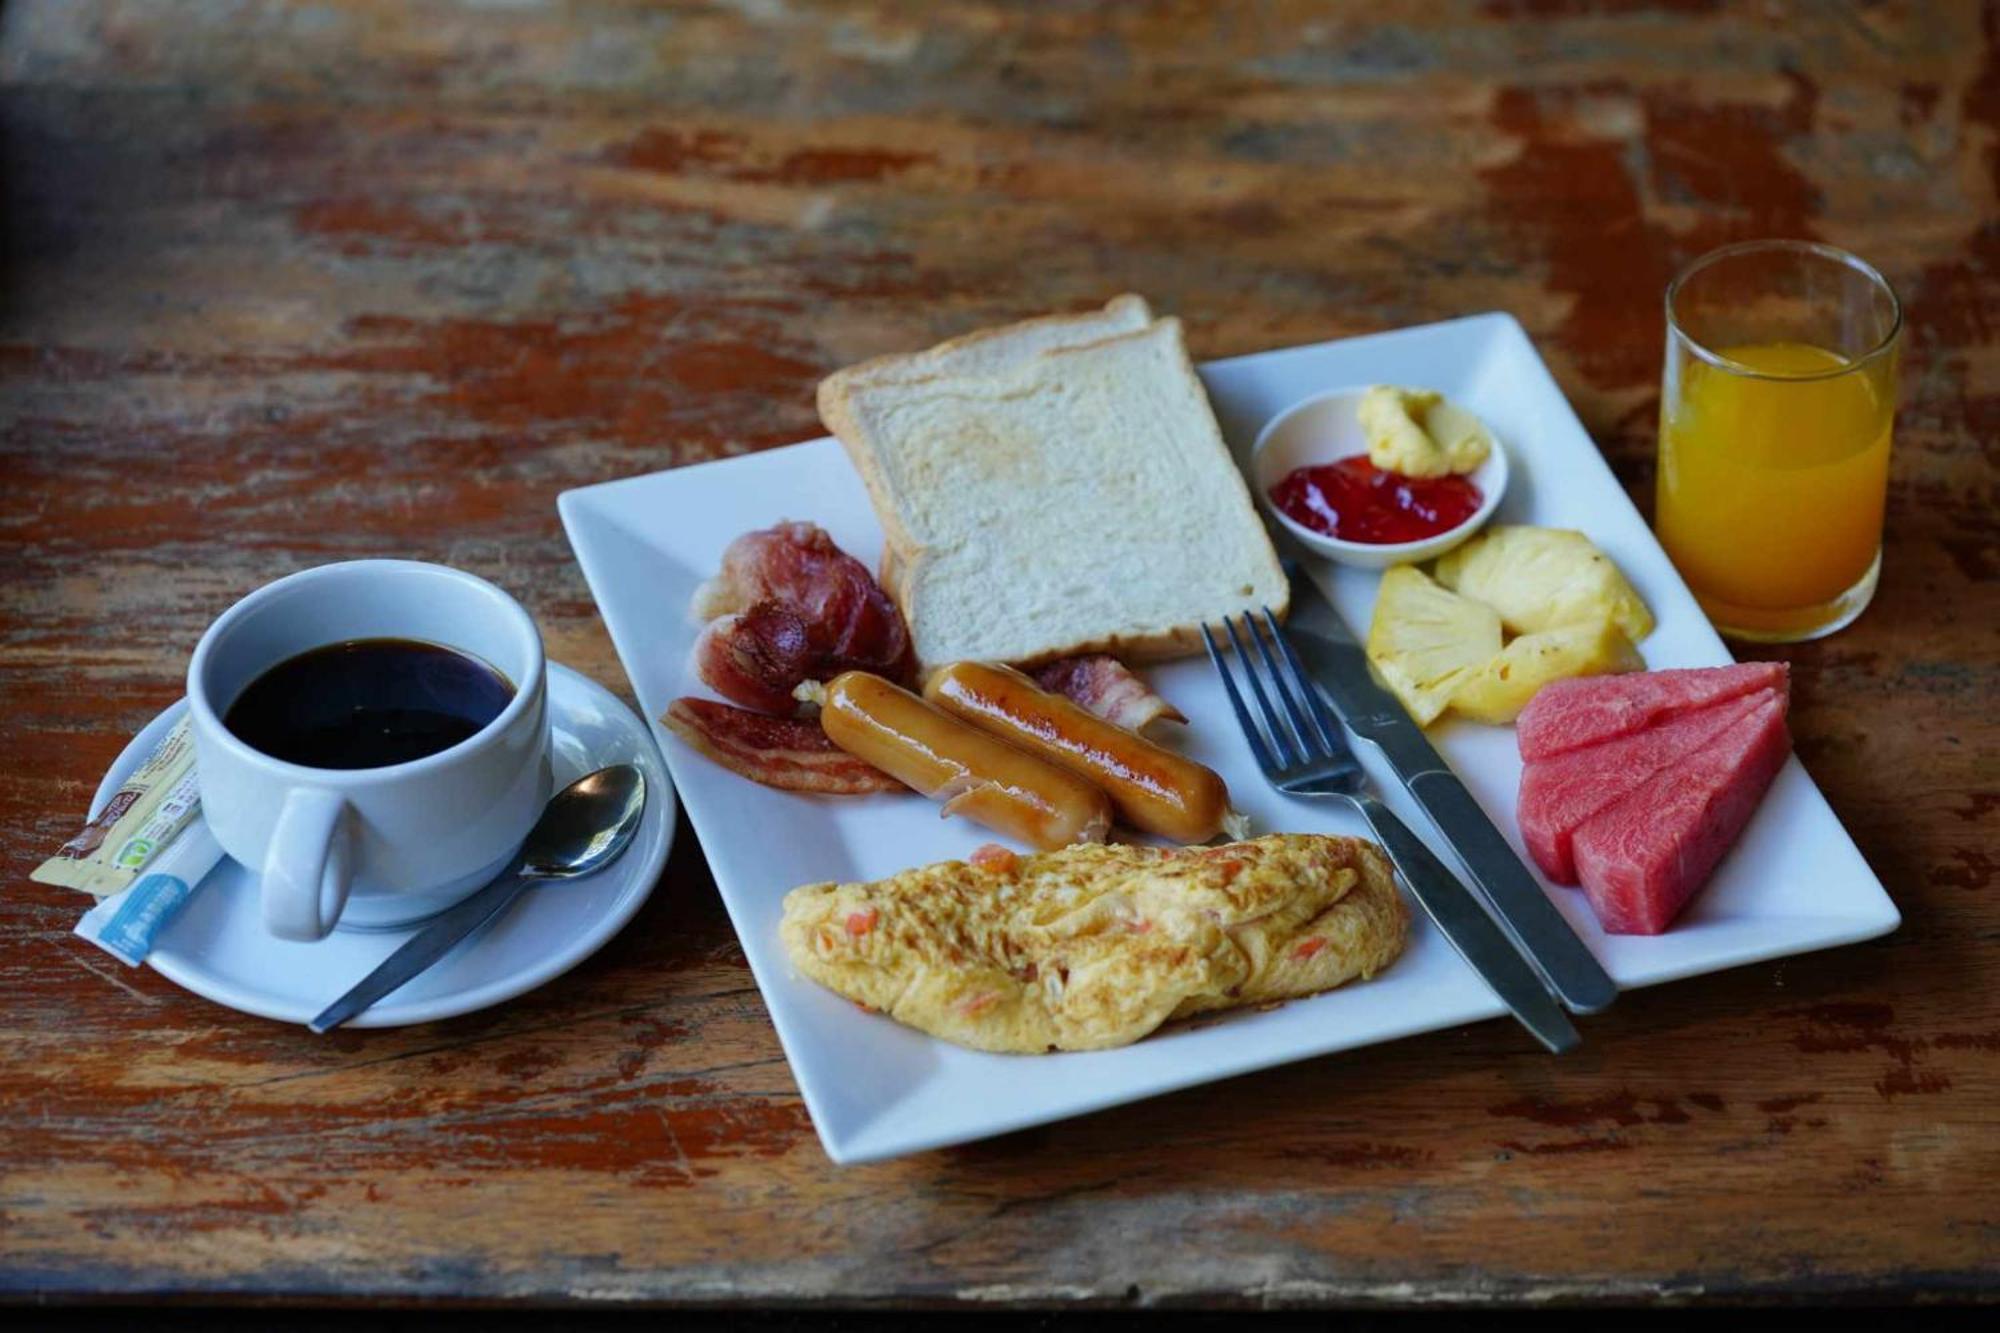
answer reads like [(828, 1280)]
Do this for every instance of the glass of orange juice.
[(1775, 415)]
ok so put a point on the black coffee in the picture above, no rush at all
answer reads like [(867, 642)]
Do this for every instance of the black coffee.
[(368, 703)]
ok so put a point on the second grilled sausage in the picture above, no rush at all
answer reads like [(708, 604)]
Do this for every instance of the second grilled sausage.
[(1151, 787), (974, 773)]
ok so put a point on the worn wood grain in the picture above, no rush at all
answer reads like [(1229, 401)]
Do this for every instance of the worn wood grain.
[(286, 283)]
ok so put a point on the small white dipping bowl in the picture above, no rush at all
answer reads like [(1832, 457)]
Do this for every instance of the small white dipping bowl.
[(1326, 428)]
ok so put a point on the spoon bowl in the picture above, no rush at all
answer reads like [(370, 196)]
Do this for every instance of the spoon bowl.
[(585, 825)]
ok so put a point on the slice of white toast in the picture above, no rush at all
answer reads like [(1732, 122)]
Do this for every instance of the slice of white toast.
[(982, 352), (1080, 500)]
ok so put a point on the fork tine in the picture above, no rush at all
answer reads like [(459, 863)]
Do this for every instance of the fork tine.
[(1300, 730), (1243, 718), (1280, 745), (1330, 738)]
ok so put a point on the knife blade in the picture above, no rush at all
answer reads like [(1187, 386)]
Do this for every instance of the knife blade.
[(1337, 662)]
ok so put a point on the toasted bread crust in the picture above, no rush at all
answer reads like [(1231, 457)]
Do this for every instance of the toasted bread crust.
[(1282, 607), (931, 361)]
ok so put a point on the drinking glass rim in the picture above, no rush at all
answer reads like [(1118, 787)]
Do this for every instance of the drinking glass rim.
[(1824, 251)]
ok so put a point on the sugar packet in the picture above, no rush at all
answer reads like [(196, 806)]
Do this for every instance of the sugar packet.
[(145, 814), (125, 924)]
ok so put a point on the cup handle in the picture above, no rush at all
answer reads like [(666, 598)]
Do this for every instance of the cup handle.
[(306, 869)]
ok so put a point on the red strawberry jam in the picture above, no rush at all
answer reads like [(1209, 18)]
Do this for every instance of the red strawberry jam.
[(1356, 501)]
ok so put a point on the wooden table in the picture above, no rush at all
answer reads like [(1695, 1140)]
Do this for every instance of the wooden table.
[(290, 284)]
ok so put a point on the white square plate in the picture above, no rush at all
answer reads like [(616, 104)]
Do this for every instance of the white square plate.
[(875, 1089)]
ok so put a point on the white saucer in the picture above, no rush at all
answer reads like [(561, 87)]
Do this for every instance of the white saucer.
[(218, 947)]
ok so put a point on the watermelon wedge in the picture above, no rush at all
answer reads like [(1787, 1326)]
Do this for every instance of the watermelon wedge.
[(1570, 714), (1642, 858), (1558, 795)]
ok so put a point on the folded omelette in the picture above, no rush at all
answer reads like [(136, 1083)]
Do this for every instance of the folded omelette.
[(1091, 946)]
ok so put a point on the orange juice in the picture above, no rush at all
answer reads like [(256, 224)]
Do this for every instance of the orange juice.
[(1771, 484)]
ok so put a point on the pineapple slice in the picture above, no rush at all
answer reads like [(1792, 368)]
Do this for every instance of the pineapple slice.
[(1391, 420), (1416, 433), (1543, 578), (1426, 642), (1460, 434), (1500, 689)]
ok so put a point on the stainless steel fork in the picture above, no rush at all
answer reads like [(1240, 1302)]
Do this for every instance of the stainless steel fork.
[(1303, 751)]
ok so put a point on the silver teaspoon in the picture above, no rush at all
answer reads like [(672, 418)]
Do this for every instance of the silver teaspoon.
[(583, 828)]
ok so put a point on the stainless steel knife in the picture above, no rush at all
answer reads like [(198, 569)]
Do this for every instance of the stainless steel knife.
[(1334, 658)]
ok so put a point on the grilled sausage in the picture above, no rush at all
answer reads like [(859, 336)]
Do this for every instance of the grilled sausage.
[(974, 773), (1151, 787)]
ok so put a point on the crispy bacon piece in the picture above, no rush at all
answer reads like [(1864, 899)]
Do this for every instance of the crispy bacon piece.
[(786, 752), (790, 606), (756, 656), (1108, 688)]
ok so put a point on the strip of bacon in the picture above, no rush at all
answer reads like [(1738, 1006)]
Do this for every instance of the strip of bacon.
[(1108, 688), (790, 606), (785, 752)]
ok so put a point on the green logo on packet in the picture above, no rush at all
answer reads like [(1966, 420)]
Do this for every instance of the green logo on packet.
[(136, 853)]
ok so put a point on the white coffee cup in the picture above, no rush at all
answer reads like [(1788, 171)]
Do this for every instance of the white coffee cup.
[(371, 847)]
